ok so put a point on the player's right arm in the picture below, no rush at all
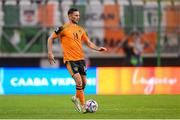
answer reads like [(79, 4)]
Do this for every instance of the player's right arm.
[(53, 36), (50, 45)]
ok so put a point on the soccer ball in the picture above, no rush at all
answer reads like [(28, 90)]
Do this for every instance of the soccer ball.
[(91, 106)]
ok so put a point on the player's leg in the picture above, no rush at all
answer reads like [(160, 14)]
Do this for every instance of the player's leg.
[(79, 88), (82, 71), (72, 68), (83, 77), (75, 100)]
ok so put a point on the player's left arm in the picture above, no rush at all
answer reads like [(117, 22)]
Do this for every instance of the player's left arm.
[(93, 46), (90, 44)]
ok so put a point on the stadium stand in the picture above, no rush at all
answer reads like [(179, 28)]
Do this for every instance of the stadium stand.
[(26, 24)]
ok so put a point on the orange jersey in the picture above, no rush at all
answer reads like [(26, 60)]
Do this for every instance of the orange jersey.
[(71, 37)]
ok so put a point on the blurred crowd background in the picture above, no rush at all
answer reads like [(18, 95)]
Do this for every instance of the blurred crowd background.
[(145, 32)]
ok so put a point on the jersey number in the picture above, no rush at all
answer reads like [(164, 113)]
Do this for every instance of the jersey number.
[(75, 36)]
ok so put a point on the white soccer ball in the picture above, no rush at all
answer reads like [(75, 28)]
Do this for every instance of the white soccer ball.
[(91, 105)]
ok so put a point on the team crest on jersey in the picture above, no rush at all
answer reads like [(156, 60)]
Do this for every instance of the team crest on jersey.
[(80, 31)]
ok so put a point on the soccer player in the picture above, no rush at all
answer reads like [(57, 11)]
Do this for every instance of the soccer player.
[(71, 36)]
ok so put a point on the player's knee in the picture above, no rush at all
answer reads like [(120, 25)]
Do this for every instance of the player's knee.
[(79, 83), (77, 79)]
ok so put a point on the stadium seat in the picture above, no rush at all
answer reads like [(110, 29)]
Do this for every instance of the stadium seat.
[(123, 2), (165, 3), (66, 2), (137, 2), (53, 1), (10, 2), (94, 2), (81, 2), (109, 2), (151, 3), (25, 2)]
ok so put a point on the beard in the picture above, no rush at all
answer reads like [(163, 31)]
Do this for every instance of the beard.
[(75, 22)]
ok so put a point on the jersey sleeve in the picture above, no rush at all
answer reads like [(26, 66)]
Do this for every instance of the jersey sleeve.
[(54, 35)]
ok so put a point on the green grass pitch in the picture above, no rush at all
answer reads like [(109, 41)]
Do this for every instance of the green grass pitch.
[(110, 107)]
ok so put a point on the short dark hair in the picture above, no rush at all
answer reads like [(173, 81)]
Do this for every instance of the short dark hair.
[(71, 10)]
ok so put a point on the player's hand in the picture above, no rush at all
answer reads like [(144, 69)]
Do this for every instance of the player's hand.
[(102, 49), (51, 58)]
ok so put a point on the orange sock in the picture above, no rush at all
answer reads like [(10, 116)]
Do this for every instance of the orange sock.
[(80, 95)]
